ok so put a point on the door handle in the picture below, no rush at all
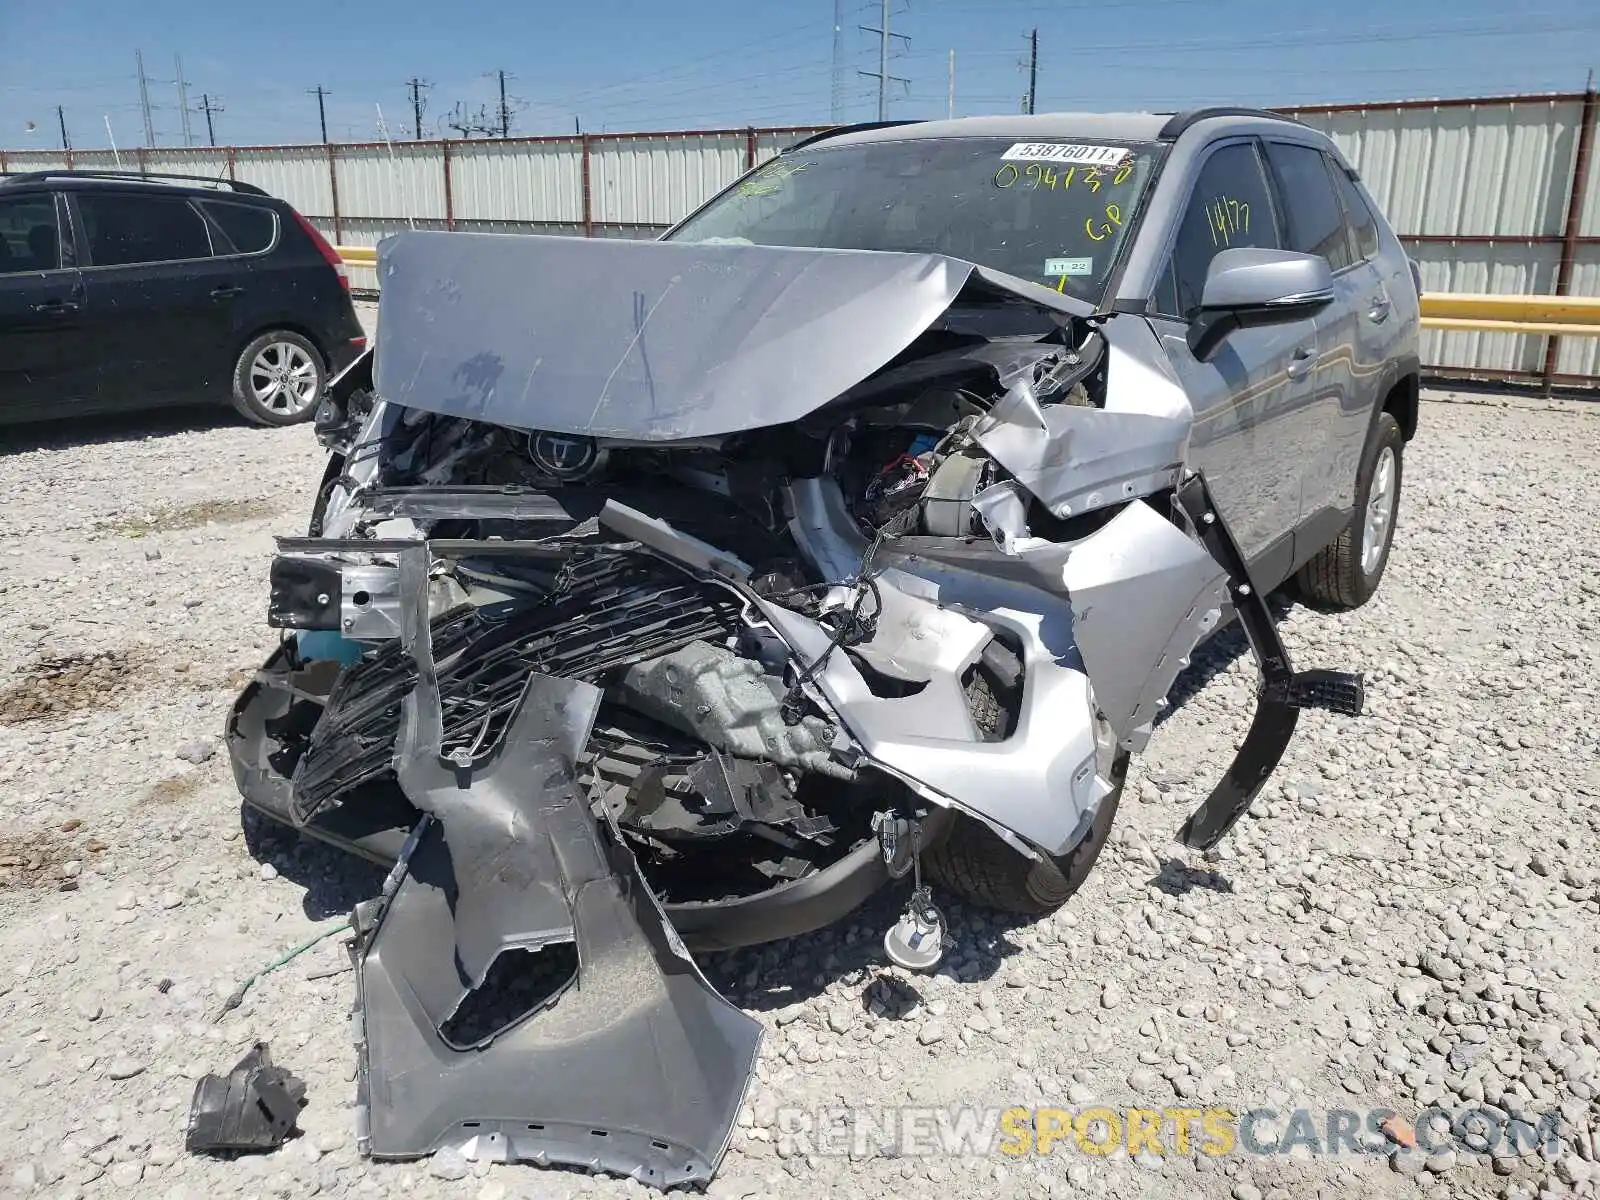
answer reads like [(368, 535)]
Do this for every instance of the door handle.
[(1300, 362), (1379, 312), (55, 308), (226, 292)]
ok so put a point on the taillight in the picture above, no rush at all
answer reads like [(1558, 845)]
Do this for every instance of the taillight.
[(326, 250)]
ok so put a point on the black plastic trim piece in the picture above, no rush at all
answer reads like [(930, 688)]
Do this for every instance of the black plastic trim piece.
[(841, 130), (1180, 123)]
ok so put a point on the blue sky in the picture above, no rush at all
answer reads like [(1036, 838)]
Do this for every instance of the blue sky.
[(618, 65)]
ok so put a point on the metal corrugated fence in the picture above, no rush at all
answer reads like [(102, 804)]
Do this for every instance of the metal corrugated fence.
[(1490, 195)]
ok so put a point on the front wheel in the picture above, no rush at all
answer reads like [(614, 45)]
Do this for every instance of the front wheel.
[(1346, 573), (278, 379), (978, 865)]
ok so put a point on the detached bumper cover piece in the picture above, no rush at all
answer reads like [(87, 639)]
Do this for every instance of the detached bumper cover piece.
[(1284, 691), (633, 1064), (253, 1107)]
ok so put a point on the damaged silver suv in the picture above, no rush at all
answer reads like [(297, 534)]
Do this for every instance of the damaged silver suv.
[(688, 592)]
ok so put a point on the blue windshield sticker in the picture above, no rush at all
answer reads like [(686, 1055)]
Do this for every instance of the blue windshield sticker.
[(1065, 152), (1069, 266)]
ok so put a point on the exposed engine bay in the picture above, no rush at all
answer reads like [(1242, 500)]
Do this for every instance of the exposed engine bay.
[(756, 580)]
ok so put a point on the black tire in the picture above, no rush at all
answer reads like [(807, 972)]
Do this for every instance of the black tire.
[(975, 864), (305, 367), (1335, 577)]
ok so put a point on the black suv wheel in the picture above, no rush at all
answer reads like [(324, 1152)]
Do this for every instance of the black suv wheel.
[(278, 379)]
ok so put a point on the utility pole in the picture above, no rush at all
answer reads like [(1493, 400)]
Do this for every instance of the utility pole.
[(144, 100), (836, 105), (1033, 69), (505, 113), (882, 73), (417, 86), (322, 109), (209, 106), (183, 101), (66, 142), (950, 104)]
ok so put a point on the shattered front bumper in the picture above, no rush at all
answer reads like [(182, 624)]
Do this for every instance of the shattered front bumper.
[(629, 1062), (377, 828)]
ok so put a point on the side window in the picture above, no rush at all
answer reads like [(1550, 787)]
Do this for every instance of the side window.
[(1313, 218), (249, 228), (29, 240), (1230, 207), (124, 228), (1363, 225)]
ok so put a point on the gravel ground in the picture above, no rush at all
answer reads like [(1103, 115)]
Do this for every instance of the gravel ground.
[(1407, 917)]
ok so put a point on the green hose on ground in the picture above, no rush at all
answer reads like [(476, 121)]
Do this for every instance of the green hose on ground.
[(236, 997)]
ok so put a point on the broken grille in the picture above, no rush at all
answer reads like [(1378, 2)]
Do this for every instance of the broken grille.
[(606, 612)]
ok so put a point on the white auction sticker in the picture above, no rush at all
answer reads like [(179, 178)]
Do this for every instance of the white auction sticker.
[(1069, 266), (1066, 152)]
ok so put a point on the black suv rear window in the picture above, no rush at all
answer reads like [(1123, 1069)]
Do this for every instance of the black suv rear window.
[(125, 228), (28, 240), (249, 228)]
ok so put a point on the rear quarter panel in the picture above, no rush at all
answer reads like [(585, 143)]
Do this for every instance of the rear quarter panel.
[(293, 287)]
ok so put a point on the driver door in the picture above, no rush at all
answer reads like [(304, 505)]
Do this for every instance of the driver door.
[(1247, 396)]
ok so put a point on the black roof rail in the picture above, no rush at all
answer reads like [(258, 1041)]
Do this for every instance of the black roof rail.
[(246, 189), (1179, 122), (839, 130)]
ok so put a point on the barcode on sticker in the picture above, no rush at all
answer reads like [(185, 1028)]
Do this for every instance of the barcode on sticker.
[(1066, 152)]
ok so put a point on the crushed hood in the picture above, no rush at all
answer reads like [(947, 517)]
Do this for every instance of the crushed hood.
[(648, 340)]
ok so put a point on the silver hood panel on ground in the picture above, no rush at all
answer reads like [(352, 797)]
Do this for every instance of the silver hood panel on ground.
[(654, 341)]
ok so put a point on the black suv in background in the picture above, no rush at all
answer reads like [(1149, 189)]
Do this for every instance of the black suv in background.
[(137, 291)]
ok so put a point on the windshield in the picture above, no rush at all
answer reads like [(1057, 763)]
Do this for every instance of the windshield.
[(1055, 213)]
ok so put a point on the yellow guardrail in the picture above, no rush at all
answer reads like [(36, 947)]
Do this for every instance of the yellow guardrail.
[(1552, 316), (1577, 311)]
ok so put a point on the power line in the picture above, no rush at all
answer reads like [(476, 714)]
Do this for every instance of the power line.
[(684, 68), (321, 93)]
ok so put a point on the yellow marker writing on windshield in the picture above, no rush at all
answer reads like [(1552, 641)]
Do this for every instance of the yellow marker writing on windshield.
[(1100, 232)]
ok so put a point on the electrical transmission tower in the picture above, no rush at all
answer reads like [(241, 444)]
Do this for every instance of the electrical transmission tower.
[(836, 107), (144, 100), (183, 101), (882, 73)]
